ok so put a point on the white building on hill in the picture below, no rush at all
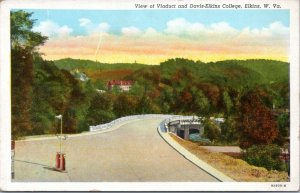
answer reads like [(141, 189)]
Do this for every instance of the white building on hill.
[(124, 85)]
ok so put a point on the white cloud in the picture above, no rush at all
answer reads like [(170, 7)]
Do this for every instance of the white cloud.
[(84, 22), (223, 31), (275, 31), (131, 31), (102, 27), (150, 30), (277, 28), (180, 38), (221, 27), (64, 31), (91, 27), (52, 29), (180, 26)]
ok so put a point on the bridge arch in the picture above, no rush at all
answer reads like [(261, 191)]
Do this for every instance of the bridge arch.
[(194, 130)]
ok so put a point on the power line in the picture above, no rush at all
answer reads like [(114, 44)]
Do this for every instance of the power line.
[(98, 46)]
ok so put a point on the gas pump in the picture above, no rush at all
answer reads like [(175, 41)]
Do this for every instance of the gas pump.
[(60, 161)]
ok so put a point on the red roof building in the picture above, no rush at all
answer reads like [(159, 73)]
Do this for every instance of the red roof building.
[(124, 85)]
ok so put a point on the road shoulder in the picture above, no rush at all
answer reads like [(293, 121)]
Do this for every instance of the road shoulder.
[(191, 157)]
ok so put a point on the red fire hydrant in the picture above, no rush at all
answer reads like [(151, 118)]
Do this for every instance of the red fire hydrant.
[(60, 161)]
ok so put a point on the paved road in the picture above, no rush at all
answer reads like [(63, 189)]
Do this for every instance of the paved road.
[(132, 153)]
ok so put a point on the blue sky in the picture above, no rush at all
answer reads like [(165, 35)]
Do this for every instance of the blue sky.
[(153, 36), (157, 19)]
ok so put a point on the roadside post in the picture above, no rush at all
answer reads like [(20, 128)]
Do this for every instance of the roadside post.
[(13, 145), (60, 162)]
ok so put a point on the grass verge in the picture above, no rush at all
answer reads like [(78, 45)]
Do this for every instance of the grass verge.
[(237, 169)]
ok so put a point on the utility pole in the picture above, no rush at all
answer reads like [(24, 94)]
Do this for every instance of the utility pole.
[(60, 146)]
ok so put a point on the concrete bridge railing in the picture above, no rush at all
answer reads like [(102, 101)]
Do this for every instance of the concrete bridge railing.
[(127, 118), (168, 118), (184, 122), (181, 125)]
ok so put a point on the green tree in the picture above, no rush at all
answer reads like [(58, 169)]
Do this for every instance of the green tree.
[(145, 105), (267, 156), (212, 91), (227, 102), (166, 100), (125, 104), (283, 122), (211, 130), (54, 92), (77, 106), (100, 84), (101, 109), (201, 103), (21, 82), (116, 90), (186, 99), (137, 89), (22, 36), (23, 45), (229, 130)]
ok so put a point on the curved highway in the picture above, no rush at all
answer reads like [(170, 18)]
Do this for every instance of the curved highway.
[(134, 152)]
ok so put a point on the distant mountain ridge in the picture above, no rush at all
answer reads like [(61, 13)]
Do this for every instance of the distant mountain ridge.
[(228, 72), (70, 64), (233, 73)]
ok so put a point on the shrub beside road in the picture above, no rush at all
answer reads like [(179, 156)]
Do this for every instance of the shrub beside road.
[(237, 169)]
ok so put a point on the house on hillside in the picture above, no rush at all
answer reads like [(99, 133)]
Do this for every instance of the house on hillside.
[(100, 91), (79, 75), (217, 121), (124, 85)]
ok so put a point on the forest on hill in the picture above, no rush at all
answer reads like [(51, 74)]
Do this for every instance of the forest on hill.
[(252, 95), (99, 73)]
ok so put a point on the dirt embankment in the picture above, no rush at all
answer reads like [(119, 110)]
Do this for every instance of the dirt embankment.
[(237, 169)]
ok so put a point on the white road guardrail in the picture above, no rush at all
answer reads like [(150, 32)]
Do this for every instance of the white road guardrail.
[(127, 118), (167, 119), (145, 116)]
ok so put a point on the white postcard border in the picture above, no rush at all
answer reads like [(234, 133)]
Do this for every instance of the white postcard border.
[(5, 161)]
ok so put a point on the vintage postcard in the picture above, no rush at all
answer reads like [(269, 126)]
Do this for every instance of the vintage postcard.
[(162, 95)]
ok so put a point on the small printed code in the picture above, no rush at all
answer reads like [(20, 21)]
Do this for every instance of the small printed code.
[(278, 185)]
